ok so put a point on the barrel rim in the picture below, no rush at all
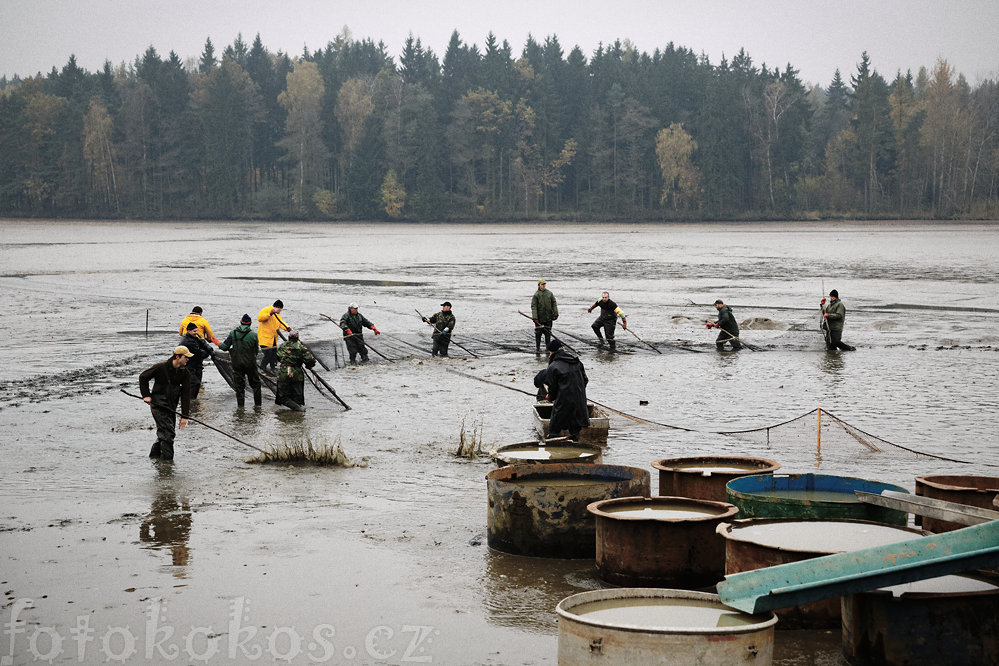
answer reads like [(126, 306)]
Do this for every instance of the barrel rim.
[(936, 481), (563, 610), (596, 508), (663, 466), (593, 450), (586, 471), (725, 530), (739, 494)]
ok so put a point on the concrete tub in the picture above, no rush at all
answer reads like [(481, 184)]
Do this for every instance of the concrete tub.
[(651, 626), (540, 510)]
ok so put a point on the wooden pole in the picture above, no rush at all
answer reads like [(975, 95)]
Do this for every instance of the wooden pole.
[(191, 418)]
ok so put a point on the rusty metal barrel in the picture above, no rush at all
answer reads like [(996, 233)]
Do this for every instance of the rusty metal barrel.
[(540, 510), (945, 620), (704, 477), (757, 543), (979, 491), (660, 541), (628, 626)]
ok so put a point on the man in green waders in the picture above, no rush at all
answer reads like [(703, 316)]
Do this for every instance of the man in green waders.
[(242, 345), (292, 355), (544, 310), (834, 315)]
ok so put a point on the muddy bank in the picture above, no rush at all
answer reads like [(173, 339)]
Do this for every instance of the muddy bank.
[(388, 562)]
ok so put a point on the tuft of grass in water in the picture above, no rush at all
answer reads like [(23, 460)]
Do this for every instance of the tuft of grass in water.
[(469, 441), (306, 451)]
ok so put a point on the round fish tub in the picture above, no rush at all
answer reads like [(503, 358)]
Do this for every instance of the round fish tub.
[(660, 541), (704, 477), (520, 454), (758, 543), (627, 626), (810, 496), (977, 491), (540, 510), (945, 620)]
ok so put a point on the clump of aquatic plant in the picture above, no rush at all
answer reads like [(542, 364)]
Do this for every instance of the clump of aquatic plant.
[(469, 440), (306, 451)]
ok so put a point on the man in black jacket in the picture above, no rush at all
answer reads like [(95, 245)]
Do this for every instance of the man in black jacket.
[(201, 351), (171, 383), (566, 380)]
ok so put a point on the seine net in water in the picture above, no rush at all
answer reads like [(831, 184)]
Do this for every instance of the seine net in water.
[(830, 438)]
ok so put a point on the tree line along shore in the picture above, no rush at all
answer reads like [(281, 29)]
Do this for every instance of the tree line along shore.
[(348, 132)]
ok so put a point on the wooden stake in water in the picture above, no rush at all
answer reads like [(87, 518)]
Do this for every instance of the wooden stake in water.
[(818, 433), (147, 322)]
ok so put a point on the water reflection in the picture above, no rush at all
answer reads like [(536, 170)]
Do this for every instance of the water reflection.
[(168, 524), (522, 592), (832, 363)]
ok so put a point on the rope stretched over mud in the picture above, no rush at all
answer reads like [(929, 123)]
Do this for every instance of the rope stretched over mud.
[(846, 426)]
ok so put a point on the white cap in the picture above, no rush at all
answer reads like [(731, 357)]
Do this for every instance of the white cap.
[(354, 305)]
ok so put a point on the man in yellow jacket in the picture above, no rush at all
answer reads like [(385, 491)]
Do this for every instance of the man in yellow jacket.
[(269, 322), (203, 330)]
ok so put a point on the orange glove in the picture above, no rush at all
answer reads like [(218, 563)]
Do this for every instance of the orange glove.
[(348, 331), (377, 332), (822, 302), (825, 314)]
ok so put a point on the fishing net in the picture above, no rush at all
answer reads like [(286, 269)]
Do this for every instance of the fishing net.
[(830, 438)]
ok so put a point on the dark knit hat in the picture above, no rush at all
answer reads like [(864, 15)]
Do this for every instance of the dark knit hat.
[(245, 319), (197, 309), (834, 293), (278, 304), (191, 326), (554, 345), (447, 303)]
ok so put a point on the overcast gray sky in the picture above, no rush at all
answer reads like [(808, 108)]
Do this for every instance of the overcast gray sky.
[(814, 36)]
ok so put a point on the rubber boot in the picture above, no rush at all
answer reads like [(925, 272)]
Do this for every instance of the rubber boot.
[(155, 451)]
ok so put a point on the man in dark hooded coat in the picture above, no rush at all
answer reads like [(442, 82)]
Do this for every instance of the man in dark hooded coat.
[(566, 380)]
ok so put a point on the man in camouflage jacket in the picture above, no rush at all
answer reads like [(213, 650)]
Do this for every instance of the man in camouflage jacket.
[(292, 355)]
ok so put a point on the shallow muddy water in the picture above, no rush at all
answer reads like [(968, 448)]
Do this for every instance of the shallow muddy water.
[(212, 558)]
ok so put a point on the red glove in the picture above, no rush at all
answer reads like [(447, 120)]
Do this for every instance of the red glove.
[(537, 323), (377, 332), (589, 309), (822, 302), (348, 331)]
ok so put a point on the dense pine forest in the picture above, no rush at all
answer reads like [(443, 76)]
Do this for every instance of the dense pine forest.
[(346, 132)]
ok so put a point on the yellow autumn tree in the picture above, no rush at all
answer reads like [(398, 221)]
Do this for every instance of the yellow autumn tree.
[(681, 179), (393, 195)]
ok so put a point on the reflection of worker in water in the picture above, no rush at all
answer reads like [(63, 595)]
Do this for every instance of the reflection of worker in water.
[(168, 525), (566, 380)]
